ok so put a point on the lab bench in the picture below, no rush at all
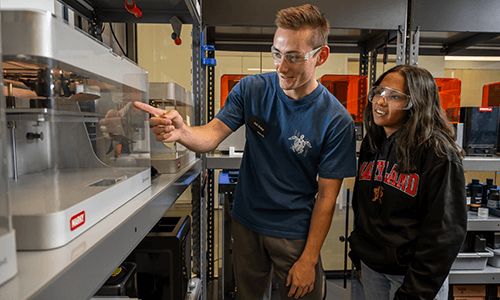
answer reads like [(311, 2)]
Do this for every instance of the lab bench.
[(78, 269)]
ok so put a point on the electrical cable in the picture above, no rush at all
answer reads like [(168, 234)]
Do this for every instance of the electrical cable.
[(114, 36)]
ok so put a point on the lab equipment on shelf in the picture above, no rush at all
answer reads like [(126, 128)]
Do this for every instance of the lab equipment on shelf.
[(77, 149), (8, 257)]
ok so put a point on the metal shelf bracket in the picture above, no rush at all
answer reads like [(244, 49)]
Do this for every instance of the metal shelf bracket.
[(205, 61)]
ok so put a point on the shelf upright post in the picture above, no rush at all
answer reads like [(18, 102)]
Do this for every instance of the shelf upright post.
[(363, 63), (199, 203), (415, 43), (209, 64), (401, 45), (373, 67), (408, 41)]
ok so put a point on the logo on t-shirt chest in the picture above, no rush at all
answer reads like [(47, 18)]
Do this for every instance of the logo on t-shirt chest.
[(300, 143)]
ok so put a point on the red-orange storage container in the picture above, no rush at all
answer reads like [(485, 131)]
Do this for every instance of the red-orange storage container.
[(350, 90), (449, 93), (227, 82), (491, 94)]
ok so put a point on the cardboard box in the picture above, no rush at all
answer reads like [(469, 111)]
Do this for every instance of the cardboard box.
[(469, 298), (475, 290)]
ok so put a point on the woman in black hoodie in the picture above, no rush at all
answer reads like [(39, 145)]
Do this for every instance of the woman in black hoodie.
[(409, 197)]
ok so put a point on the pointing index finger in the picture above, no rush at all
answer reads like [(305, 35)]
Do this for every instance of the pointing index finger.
[(149, 109)]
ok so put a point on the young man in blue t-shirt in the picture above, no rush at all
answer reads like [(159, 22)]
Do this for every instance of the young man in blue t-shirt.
[(300, 145)]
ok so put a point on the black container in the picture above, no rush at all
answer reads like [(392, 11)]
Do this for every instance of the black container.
[(473, 243), (476, 194), (492, 239), (163, 260), (486, 190), (493, 198), (123, 282), (468, 197)]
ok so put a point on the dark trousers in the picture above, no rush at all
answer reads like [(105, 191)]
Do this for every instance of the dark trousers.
[(255, 258)]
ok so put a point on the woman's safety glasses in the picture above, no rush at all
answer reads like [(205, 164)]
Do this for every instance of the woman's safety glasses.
[(390, 96)]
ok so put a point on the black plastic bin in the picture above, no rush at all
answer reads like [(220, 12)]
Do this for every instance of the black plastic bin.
[(123, 282), (163, 260)]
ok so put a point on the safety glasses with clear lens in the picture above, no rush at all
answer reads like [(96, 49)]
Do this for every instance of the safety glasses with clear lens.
[(389, 95), (294, 58)]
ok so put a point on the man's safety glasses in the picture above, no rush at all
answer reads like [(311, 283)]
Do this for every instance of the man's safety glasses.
[(390, 96), (293, 58)]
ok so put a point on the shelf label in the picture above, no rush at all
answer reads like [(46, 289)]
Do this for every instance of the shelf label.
[(77, 220)]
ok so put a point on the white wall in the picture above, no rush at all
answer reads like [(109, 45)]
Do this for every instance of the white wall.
[(158, 54), (434, 64)]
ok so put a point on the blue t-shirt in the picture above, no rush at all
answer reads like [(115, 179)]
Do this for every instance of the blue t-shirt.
[(277, 182)]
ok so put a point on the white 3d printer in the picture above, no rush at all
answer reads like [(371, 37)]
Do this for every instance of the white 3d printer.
[(76, 148), (8, 261)]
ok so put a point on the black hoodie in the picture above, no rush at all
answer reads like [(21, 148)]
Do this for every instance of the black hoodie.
[(409, 224)]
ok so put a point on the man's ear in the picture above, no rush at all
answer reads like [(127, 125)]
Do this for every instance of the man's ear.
[(323, 55)]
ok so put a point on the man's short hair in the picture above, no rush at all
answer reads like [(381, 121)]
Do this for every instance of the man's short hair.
[(307, 15)]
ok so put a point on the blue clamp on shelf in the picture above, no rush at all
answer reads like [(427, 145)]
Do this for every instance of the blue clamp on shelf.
[(205, 61)]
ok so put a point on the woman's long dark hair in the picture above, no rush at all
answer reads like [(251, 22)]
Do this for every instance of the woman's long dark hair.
[(426, 126)]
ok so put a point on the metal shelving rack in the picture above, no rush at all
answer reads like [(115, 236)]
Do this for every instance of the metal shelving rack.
[(444, 30), (408, 28), (78, 269), (356, 27), (405, 28), (489, 275)]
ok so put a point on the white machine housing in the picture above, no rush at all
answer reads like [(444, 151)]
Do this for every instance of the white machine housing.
[(77, 149), (8, 257)]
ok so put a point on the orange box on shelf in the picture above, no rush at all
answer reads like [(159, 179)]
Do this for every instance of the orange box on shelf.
[(491, 98), (491, 94), (477, 290), (227, 82), (469, 298), (449, 93), (350, 90)]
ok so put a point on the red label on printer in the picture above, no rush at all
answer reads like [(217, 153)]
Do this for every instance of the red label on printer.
[(77, 220), (486, 109)]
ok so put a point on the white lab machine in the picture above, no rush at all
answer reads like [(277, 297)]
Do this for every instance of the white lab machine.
[(76, 148), (8, 261)]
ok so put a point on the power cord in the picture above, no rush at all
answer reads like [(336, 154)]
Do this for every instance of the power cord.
[(114, 36)]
